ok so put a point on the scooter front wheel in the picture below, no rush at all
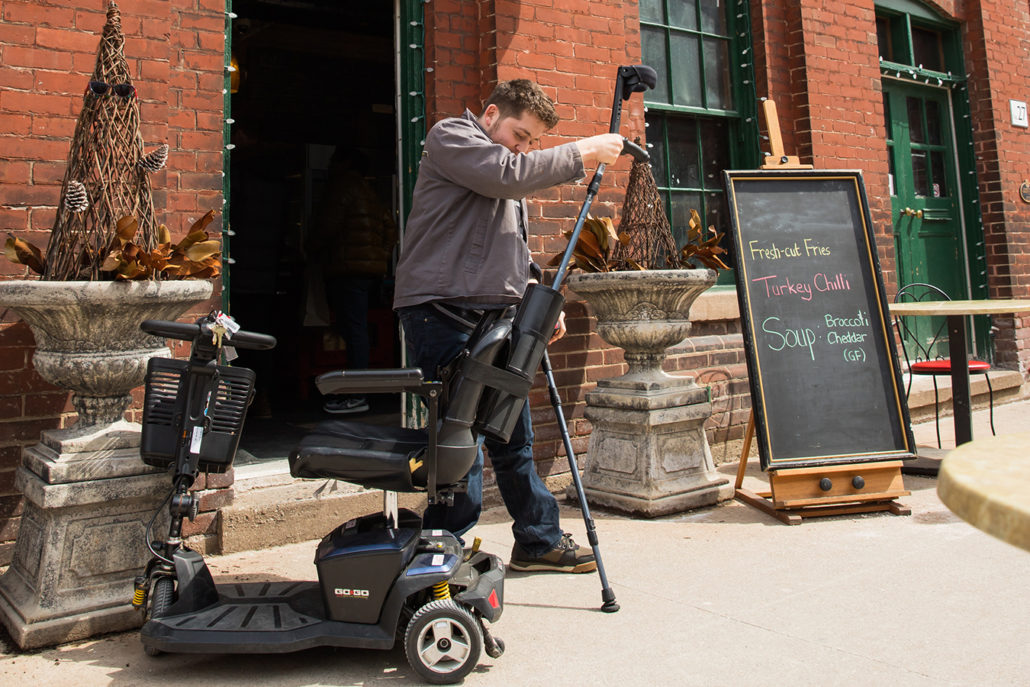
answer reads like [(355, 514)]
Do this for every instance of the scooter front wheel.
[(443, 642), (162, 596)]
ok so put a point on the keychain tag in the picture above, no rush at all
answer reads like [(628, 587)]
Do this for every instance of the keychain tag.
[(231, 327), (196, 439)]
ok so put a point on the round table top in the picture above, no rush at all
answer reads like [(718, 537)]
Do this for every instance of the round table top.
[(986, 482), (993, 306)]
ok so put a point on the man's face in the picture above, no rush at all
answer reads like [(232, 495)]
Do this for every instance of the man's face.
[(518, 135)]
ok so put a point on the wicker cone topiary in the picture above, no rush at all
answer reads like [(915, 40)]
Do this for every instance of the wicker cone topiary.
[(105, 153), (651, 244)]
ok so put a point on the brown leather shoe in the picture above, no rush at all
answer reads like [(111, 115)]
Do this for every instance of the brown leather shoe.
[(565, 557)]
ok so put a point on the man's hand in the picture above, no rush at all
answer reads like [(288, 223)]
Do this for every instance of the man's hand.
[(559, 329), (604, 148)]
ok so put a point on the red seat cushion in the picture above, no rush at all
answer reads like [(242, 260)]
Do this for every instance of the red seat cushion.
[(943, 367)]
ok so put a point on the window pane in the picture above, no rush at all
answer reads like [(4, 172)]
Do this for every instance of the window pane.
[(683, 13), (683, 153), (686, 78), (933, 122), (883, 37), (920, 179), (651, 10), (718, 216), (681, 205), (915, 120), (926, 49), (717, 74), (652, 45), (656, 146), (939, 189), (713, 16), (715, 147)]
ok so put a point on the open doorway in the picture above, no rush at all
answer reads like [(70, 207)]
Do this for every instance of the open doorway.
[(314, 154)]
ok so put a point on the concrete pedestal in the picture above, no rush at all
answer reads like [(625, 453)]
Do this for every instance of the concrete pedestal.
[(88, 499), (649, 454)]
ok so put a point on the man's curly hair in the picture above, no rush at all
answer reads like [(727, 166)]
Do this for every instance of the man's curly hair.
[(518, 96)]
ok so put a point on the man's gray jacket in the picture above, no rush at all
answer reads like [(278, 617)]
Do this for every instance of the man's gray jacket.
[(465, 239)]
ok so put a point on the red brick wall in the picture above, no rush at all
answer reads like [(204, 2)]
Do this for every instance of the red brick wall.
[(48, 51), (997, 43)]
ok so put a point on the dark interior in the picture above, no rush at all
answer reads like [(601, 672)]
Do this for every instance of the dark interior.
[(313, 75)]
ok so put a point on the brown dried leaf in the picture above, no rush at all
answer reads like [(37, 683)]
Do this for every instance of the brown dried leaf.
[(201, 224), (204, 249), (24, 253), (190, 239), (126, 228), (111, 262)]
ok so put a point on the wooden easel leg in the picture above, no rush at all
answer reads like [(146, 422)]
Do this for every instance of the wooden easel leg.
[(749, 436), (754, 500), (899, 508)]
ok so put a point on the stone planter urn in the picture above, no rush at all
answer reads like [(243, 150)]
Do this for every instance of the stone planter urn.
[(648, 452), (88, 496)]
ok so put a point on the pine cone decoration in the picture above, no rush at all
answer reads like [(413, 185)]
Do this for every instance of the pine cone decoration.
[(155, 161), (75, 197)]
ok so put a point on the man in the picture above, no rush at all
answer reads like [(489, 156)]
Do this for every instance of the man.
[(465, 252)]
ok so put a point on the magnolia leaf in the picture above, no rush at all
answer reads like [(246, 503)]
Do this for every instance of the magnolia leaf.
[(712, 262), (611, 235), (129, 270), (126, 228), (635, 265), (204, 249), (24, 253), (164, 237), (201, 224), (190, 239), (624, 238), (111, 262), (588, 244)]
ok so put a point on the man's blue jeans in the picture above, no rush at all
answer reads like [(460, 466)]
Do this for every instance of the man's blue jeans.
[(433, 341)]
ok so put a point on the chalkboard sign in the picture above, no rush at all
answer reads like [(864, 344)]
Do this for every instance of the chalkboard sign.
[(824, 374)]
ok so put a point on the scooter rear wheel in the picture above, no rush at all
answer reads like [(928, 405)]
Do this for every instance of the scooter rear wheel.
[(443, 642)]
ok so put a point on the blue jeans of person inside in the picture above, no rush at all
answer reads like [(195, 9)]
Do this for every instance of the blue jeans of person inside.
[(432, 342)]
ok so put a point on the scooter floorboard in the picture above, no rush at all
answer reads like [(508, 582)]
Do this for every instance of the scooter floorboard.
[(260, 617)]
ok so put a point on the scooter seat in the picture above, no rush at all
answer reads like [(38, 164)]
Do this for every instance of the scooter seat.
[(373, 456)]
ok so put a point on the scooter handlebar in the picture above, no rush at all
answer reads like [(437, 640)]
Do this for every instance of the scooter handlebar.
[(184, 331)]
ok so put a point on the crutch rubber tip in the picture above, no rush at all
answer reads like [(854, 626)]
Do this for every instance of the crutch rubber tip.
[(610, 606)]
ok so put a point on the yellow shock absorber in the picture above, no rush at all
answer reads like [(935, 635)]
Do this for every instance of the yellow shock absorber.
[(441, 590), (139, 596)]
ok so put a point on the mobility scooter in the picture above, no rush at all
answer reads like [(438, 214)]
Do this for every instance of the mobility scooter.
[(381, 577)]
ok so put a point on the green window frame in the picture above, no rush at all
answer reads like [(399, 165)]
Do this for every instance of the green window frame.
[(701, 117)]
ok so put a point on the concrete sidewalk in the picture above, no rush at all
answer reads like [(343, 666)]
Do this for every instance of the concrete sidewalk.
[(722, 596)]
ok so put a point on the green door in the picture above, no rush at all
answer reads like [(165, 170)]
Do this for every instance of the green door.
[(925, 197)]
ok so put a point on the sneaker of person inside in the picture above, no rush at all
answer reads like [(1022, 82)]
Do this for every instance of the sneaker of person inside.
[(565, 557), (345, 405)]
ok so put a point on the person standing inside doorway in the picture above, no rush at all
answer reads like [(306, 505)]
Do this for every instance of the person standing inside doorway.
[(465, 251), (354, 238)]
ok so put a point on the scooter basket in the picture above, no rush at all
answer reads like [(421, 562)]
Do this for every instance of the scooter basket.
[(165, 416)]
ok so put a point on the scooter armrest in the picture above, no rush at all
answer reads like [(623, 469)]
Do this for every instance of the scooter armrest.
[(371, 381)]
